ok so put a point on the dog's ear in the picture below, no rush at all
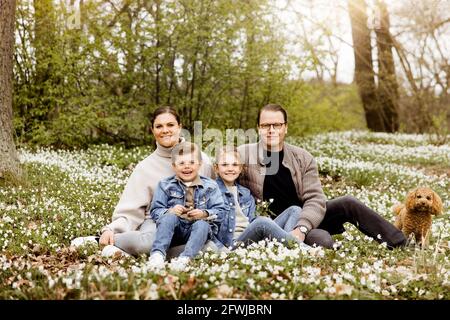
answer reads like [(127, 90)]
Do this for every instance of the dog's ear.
[(437, 204), (410, 199)]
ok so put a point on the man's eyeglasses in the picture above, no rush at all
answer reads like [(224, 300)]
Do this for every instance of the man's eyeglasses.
[(276, 126)]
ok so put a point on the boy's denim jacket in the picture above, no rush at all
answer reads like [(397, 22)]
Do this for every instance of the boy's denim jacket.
[(171, 191), (248, 207)]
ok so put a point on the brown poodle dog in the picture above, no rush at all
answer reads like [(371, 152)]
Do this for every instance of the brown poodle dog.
[(415, 215)]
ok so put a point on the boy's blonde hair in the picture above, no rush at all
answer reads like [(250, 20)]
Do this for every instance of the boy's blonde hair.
[(186, 148)]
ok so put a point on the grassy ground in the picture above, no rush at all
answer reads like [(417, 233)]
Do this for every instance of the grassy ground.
[(70, 194)]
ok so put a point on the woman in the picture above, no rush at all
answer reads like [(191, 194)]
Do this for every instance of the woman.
[(130, 231)]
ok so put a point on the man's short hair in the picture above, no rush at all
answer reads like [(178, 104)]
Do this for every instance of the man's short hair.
[(186, 148), (274, 108)]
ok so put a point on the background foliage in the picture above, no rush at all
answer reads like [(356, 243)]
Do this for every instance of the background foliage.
[(216, 61)]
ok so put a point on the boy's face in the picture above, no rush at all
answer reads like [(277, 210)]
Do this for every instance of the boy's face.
[(228, 168), (186, 167)]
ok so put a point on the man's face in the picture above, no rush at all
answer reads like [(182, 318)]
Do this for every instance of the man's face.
[(186, 167), (272, 129)]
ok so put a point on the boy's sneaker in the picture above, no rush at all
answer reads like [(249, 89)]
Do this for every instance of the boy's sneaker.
[(81, 241), (156, 261), (179, 264), (113, 251)]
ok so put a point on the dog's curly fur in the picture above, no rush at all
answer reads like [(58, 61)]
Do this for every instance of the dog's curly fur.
[(414, 216)]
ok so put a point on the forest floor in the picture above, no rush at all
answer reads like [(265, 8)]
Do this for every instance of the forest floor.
[(73, 193)]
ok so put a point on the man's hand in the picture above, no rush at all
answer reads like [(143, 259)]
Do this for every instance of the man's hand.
[(179, 210), (106, 238), (298, 234), (197, 214)]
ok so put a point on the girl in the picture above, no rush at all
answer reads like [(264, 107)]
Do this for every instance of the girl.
[(240, 224)]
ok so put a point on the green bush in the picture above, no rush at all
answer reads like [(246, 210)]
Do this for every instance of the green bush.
[(316, 108)]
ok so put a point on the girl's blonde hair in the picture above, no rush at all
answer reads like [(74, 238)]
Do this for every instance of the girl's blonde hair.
[(227, 149)]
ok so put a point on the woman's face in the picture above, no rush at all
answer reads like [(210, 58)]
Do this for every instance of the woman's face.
[(166, 130)]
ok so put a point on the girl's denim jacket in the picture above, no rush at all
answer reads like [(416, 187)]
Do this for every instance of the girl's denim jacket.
[(248, 207), (207, 197)]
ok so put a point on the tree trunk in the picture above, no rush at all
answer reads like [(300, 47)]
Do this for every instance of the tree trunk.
[(158, 64), (44, 44), (43, 40), (387, 80), (9, 162), (364, 75), (127, 84)]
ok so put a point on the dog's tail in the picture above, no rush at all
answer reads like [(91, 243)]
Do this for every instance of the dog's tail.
[(397, 208)]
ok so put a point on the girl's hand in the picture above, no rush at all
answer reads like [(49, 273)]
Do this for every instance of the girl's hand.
[(197, 214), (107, 238)]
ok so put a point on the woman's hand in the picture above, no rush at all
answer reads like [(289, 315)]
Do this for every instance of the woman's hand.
[(197, 214), (107, 238)]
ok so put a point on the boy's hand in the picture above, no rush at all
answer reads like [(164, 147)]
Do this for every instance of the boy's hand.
[(178, 210), (197, 214)]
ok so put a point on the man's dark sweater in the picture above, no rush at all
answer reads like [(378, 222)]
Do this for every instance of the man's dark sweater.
[(280, 187)]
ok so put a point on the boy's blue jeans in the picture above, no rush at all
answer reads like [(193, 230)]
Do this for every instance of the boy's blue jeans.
[(265, 228), (173, 230)]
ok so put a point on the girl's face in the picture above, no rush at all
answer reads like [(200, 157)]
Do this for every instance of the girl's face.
[(166, 130), (228, 168)]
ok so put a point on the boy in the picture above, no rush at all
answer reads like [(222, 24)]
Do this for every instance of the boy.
[(186, 207)]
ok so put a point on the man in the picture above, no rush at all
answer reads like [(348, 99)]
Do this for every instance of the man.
[(287, 175)]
